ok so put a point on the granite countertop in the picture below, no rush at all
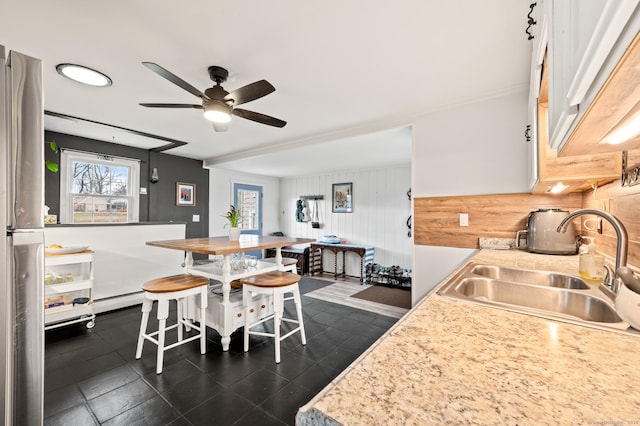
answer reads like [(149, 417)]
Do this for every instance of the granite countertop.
[(451, 362)]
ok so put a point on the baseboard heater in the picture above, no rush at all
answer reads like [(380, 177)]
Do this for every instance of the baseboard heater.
[(117, 302)]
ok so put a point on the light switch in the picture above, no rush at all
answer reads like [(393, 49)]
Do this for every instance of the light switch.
[(196, 218), (464, 219)]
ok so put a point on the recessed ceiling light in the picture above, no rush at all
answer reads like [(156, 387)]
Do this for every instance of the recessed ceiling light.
[(84, 75), (557, 188)]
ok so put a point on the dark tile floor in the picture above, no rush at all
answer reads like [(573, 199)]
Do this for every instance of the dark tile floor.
[(93, 378)]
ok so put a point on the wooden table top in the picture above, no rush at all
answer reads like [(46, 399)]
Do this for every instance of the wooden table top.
[(222, 245)]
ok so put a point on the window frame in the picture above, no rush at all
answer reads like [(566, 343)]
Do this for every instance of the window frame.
[(68, 157)]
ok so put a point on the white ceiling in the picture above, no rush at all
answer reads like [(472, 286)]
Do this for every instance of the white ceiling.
[(349, 75)]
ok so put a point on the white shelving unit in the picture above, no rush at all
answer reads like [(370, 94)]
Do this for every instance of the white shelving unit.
[(68, 277)]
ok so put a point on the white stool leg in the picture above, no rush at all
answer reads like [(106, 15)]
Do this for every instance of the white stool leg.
[(297, 300), (278, 307), (293, 268), (179, 318), (203, 325), (246, 295), (163, 313), (146, 308), (185, 313)]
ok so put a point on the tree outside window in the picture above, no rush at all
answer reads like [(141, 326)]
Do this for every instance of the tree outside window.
[(99, 189)]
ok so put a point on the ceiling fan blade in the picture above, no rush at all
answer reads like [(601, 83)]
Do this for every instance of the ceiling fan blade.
[(172, 106), (250, 92), (260, 118), (174, 79)]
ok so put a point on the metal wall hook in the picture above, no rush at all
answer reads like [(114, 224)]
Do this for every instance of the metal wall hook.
[(630, 174), (530, 21)]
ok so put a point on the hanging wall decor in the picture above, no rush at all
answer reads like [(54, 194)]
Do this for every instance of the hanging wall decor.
[(185, 194), (342, 197)]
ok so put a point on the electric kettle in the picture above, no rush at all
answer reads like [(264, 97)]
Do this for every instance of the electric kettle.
[(541, 235)]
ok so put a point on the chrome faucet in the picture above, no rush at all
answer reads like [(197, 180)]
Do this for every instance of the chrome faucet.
[(621, 233)]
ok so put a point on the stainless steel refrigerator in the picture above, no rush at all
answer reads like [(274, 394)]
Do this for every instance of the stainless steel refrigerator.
[(22, 256)]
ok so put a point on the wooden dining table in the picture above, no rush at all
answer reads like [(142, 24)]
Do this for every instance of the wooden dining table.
[(225, 310)]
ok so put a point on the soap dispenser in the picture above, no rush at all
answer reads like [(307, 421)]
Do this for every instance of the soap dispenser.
[(591, 264)]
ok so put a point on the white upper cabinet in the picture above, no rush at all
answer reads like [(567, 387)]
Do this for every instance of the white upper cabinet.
[(538, 29), (582, 34)]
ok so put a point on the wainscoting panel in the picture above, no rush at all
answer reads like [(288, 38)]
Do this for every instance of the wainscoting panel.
[(381, 208)]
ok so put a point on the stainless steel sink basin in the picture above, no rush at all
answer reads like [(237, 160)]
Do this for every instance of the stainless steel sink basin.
[(552, 279), (579, 305), (540, 293)]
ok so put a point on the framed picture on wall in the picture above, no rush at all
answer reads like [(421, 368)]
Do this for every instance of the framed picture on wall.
[(342, 195), (185, 194)]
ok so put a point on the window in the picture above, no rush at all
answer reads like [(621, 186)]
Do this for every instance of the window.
[(98, 188)]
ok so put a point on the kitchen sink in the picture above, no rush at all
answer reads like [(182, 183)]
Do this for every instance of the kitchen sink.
[(579, 305), (544, 294), (545, 278)]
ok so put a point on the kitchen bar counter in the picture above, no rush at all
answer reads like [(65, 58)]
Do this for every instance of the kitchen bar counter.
[(122, 260), (451, 362), (80, 225)]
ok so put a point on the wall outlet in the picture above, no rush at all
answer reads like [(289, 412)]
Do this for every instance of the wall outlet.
[(464, 219), (143, 190), (196, 218)]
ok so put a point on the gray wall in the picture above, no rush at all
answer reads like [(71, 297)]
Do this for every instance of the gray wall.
[(159, 205)]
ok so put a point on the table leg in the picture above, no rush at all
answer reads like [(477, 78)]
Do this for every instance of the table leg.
[(344, 264), (279, 257), (313, 259), (225, 339), (361, 270), (335, 266), (226, 342), (226, 278), (188, 260)]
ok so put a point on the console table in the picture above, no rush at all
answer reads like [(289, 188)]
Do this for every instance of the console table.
[(301, 255), (317, 250)]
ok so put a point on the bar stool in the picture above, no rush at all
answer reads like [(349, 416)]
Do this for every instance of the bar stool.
[(274, 284), (178, 288), (288, 264)]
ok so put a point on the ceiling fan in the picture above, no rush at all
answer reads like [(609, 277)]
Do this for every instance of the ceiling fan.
[(217, 103)]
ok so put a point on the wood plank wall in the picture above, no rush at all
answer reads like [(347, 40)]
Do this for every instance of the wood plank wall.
[(624, 204), (380, 212), (493, 216)]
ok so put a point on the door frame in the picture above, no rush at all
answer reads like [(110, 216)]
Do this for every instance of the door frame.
[(259, 189)]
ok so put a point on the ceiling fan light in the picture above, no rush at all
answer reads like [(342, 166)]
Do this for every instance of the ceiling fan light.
[(220, 127), (84, 75), (217, 112)]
